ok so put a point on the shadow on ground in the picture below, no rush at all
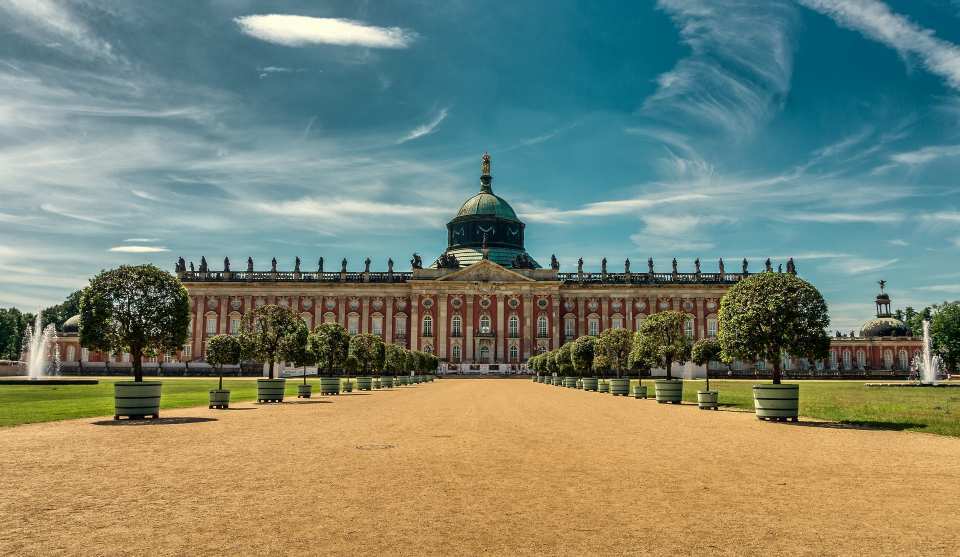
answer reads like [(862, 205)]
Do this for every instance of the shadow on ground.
[(858, 424), (311, 401), (157, 421)]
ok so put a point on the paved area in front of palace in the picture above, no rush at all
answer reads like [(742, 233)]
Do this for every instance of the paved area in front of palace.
[(474, 466)]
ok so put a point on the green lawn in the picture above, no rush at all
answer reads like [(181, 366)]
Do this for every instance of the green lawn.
[(28, 404), (850, 402)]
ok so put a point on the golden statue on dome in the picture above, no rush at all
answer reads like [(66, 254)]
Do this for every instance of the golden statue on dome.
[(485, 164)]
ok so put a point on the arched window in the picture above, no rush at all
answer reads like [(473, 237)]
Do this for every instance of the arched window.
[(307, 320), (639, 320), (513, 326), (484, 354), (888, 359), (904, 360), (353, 324), (71, 353), (688, 327), (329, 317), (484, 323), (235, 324), (570, 327), (542, 326), (514, 353), (833, 360), (456, 325), (861, 359), (211, 324), (616, 322), (846, 359), (711, 327), (376, 325), (427, 326), (593, 326), (455, 353)]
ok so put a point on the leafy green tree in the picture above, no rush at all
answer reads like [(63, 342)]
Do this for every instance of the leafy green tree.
[(945, 333), (581, 354), (661, 341), (135, 309), (411, 361), (915, 319), (768, 315), (13, 325), (368, 349), (59, 313), (265, 331), (351, 365), (616, 345), (394, 360), (601, 364), (563, 358), (328, 344), (294, 348), (550, 359), (704, 351), (223, 350)]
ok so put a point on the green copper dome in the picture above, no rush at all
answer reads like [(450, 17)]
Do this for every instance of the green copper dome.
[(485, 203)]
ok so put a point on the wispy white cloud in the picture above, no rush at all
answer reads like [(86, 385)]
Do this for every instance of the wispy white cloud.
[(942, 288), (844, 218), (50, 208), (138, 249), (739, 68), (605, 208), (874, 19), (427, 128), (48, 21), (898, 242), (948, 217), (141, 240), (857, 265), (298, 30)]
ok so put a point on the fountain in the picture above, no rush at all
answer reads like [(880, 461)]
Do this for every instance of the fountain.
[(42, 357), (926, 365)]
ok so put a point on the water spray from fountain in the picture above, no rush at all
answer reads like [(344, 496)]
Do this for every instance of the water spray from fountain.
[(42, 354), (929, 364)]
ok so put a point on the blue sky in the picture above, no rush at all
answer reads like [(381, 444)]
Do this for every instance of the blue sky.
[(826, 130)]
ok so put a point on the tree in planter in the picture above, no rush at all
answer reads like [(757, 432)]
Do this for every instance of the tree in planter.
[(661, 341), (265, 331), (564, 362), (582, 353), (616, 345), (601, 364), (223, 350), (770, 314), (410, 361), (351, 365), (328, 345), (394, 360), (704, 351), (294, 349), (135, 309), (368, 349)]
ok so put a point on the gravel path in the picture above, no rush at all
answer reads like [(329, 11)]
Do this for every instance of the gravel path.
[(463, 467)]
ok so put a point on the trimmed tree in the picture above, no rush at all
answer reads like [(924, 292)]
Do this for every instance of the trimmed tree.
[(294, 349), (264, 333), (394, 359), (410, 361), (137, 309), (616, 345), (661, 341), (945, 334), (581, 354), (563, 358), (328, 345), (704, 351), (368, 349), (223, 350), (768, 315), (601, 364), (351, 365)]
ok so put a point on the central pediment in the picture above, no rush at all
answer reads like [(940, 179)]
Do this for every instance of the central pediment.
[(486, 271)]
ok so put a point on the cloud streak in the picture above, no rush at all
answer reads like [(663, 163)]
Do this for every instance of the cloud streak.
[(427, 128), (138, 249), (298, 30)]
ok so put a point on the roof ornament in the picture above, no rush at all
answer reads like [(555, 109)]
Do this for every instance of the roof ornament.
[(791, 267), (554, 264), (273, 265), (320, 265), (486, 250), (203, 264), (485, 177), (249, 264), (296, 264), (416, 262), (882, 284), (226, 264)]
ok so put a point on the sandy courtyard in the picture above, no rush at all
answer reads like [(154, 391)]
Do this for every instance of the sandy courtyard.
[(464, 467)]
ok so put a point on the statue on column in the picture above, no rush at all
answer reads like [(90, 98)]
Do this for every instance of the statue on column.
[(650, 266), (226, 264), (603, 265), (696, 265), (390, 265), (320, 265), (273, 265), (674, 265), (249, 264), (485, 164), (366, 265), (580, 265), (343, 265), (744, 265), (767, 266), (554, 264), (626, 266), (296, 264), (203, 264)]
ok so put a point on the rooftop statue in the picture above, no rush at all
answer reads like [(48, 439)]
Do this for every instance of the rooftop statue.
[(791, 267), (390, 265), (343, 265), (780, 267), (744, 265), (486, 250), (721, 266), (626, 266), (226, 264), (523, 261), (650, 266), (767, 266), (320, 265), (448, 261), (696, 265), (485, 164), (181, 265), (273, 265), (603, 265), (191, 267), (554, 264), (366, 265), (580, 265), (203, 264), (416, 262), (296, 264), (674, 265), (249, 264)]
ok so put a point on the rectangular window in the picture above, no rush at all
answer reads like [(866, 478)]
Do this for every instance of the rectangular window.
[(617, 323), (688, 328), (593, 327), (211, 325), (187, 352), (569, 328), (378, 326), (353, 325), (711, 327), (234, 325), (401, 327)]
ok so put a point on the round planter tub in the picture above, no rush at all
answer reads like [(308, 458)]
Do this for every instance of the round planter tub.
[(619, 387), (270, 390), (570, 382), (707, 400), (386, 382), (669, 390), (136, 399), (364, 383), (219, 398), (347, 386), (589, 383), (555, 380), (640, 391), (329, 385), (776, 402), (603, 386), (304, 391)]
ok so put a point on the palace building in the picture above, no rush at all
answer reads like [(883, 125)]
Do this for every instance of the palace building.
[(483, 304)]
